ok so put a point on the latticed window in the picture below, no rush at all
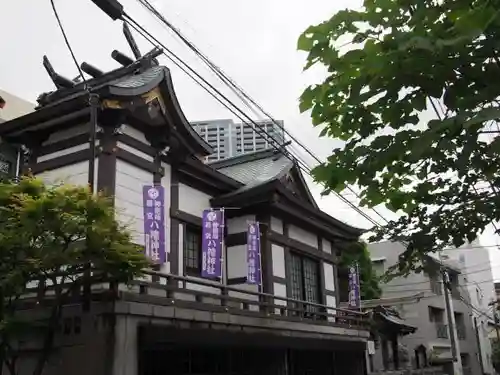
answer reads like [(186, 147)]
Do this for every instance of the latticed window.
[(304, 280), (192, 250)]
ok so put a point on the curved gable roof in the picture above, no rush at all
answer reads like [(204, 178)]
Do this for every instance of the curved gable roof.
[(124, 83)]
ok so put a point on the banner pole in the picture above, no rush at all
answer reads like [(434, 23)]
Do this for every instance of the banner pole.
[(359, 286), (260, 258), (224, 250)]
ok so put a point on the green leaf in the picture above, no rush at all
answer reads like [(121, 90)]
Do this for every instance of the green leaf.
[(374, 100), (305, 42), (487, 114)]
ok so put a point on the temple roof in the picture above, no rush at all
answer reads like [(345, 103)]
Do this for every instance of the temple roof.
[(255, 168), (272, 171), (132, 87), (390, 320)]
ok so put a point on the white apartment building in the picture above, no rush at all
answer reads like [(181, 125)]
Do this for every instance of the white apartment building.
[(11, 107), (229, 139), (478, 282)]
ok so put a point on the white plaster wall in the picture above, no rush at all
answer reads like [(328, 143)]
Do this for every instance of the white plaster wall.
[(239, 224), (237, 261), (280, 291), (303, 236), (193, 201), (74, 174), (278, 257), (134, 151), (329, 276), (134, 133), (331, 301), (237, 267), (67, 133), (327, 246), (64, 152), (276, 225), (128, 197)]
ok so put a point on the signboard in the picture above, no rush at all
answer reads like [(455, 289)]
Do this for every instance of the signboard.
[(5, 166), (211, 243), (154, 223), (253, 254), (354, 292)]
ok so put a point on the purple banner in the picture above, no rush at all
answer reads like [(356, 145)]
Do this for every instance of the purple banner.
[(354, 292), (211, 243), (253, 254), (154, 223)]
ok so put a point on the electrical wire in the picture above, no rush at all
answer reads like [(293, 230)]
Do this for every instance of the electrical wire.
[(68, 45), (473, 187), (221, 98), (247, 100)]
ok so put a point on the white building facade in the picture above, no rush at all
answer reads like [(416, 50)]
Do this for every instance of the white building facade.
[(478, 282), (229, 139)]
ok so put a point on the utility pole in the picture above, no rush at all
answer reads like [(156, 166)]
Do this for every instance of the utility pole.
[(455, 350), (495, 317)]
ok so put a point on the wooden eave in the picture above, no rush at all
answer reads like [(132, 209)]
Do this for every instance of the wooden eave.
[(46, 117), (303, 185), (282, 200), (195, 170), (64, 104)]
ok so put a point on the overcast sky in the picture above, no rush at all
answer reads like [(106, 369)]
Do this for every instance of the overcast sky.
[(254, 42)]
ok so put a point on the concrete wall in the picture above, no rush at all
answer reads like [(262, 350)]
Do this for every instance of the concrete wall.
[(417, 314)]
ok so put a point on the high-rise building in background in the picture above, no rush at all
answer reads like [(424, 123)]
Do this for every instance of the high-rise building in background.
[(230, 139), (11, 107)]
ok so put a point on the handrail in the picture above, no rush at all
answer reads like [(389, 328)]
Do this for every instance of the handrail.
[(270, 304), (214, 284)]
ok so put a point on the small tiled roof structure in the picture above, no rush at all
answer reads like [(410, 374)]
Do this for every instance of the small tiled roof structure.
[(255, 168), (390, 320)]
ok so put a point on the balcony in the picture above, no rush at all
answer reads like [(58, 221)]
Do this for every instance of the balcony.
[(422, 371), (442, 331), (210, 303)]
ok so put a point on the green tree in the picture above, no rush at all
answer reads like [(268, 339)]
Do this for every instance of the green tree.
[(49, 235), (390, 65), (369, 281)]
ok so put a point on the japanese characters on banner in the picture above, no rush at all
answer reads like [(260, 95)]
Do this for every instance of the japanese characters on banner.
[(253, 254), (154, 223), (354, 292), (211, 243)]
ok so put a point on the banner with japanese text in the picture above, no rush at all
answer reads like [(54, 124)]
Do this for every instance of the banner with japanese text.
[(154, 223), (354, 291), (211, 243), (253, 254)]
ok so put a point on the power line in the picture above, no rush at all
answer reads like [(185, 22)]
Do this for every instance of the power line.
[(246, 98), (68, 44), (185, 68)]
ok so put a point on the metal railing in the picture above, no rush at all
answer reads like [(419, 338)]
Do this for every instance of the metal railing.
[(198, 293), (422, 371), (442, 331)]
